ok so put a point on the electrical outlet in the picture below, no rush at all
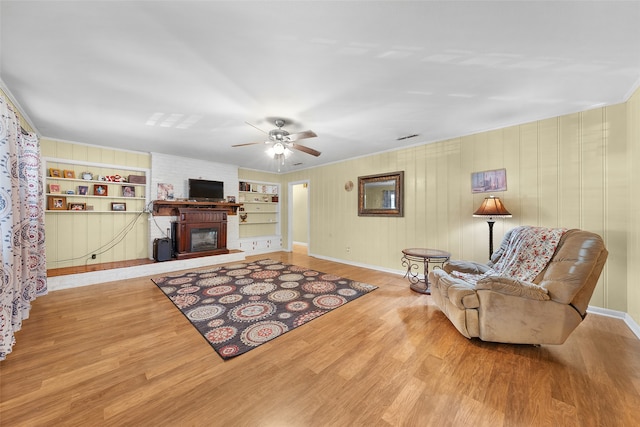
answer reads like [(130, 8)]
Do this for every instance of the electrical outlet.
[(348, 249)]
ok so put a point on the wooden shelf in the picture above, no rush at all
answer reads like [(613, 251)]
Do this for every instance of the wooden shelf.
[(91, 196), (92, 181), (64, 211), (170, 207)]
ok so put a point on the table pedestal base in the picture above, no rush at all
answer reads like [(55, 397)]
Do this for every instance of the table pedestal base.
[(412, 258), (420, 287)]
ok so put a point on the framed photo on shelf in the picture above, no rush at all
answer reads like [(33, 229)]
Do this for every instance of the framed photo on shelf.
[(54, 188), (77, 206), (231, 199), (57, 203), (100, 190), (55, 173), (69, 174), (128, 191), (83, 190), (118, 206), (165, 191)]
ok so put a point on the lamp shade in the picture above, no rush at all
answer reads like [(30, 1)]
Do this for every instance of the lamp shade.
[(492, 206)]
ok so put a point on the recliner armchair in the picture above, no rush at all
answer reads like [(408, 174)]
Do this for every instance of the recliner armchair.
[(542, 310)]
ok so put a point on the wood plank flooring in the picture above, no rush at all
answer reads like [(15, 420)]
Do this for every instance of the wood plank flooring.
[(120, 354)]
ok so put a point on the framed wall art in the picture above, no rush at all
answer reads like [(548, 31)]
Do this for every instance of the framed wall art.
[(489, 181)]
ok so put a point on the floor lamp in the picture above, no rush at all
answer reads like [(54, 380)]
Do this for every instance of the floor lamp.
[(490, 207)]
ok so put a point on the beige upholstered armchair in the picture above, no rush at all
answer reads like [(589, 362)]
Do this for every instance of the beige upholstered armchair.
[(535, 289)]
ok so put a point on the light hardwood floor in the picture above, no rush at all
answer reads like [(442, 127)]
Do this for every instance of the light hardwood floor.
[(121, 354)]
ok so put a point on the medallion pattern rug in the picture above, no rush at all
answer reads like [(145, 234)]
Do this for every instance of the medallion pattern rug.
[(238, 307)]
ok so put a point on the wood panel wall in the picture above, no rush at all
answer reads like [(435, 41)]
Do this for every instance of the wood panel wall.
[(567, 171)]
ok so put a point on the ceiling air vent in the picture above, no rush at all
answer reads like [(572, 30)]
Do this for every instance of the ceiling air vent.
[(407, 137)]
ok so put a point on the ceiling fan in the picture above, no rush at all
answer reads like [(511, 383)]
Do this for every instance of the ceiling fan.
[(282, 140)]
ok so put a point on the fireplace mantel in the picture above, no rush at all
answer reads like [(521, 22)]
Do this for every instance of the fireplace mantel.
[(171, 207)]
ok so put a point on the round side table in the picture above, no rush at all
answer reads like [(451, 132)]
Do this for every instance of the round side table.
[(413, 257)]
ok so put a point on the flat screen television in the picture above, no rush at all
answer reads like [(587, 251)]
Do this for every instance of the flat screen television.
[(203, 190)]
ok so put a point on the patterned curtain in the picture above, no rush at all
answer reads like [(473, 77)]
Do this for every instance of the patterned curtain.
[(22, 259)]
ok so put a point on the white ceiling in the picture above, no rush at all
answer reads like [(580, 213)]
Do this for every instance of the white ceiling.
[(361, 74)]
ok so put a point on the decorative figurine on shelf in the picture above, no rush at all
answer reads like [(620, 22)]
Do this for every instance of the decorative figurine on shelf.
[(243, 215)]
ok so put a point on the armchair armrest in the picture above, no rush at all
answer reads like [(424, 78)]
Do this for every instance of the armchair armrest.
[(470, 267), (509, 286)]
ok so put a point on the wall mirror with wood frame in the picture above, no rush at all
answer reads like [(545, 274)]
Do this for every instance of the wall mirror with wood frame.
[(381, 195)]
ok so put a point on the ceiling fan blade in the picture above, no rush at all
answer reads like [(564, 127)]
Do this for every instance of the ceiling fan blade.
[(305, 149), (302, 135), (250, 143), (255, 127)]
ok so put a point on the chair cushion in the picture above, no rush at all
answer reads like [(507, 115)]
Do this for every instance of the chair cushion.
[(460, 293), (461, 266), (518, 288)]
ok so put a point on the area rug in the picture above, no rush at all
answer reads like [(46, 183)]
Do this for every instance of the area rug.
[(238, 307)]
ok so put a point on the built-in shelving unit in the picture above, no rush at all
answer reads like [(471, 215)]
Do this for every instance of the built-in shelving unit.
[(94, 220), (107, 190), (259, 216)]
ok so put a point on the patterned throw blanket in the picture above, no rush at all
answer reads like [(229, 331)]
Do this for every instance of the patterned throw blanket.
[(528, 251)]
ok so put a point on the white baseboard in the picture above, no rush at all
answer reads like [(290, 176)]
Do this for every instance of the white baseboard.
[(263, 251), (103, 276), (635, 328), (628, 320), (94, 277), (357, 264)]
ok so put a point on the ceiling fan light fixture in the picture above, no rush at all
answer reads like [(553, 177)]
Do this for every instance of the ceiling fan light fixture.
[(282, 143), (278, 148)]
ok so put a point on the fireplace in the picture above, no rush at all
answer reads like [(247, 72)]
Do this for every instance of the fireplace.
[(204, 239), (200, 232)]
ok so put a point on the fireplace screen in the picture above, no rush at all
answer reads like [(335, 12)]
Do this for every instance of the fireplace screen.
[(204, 239)]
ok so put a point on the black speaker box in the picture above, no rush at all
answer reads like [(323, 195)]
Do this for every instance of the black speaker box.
[(162, 249)]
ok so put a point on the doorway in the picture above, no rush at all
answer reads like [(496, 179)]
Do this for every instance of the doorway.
[(298, 229)]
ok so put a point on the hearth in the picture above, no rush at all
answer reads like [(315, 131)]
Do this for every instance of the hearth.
[(200, 232)]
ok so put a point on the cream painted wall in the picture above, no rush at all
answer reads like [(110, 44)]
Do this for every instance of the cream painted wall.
[(71, 238), (633, 226), (577, 170), (568, 171), (300, 229)]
